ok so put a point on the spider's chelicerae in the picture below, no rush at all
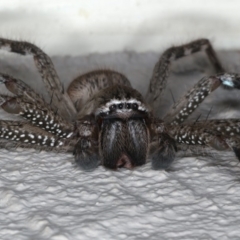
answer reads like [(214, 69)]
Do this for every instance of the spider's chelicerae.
[(101, 119)]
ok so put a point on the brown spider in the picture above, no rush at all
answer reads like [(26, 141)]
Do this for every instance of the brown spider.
[(101, 119)]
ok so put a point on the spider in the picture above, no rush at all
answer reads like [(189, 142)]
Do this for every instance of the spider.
[(102, 120)]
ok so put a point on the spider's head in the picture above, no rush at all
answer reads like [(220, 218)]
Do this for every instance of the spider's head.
[(122, 117)]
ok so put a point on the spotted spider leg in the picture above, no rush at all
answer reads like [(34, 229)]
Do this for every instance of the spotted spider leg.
[(59, 98), (22, 134), (187, 104), (197, 135), (219, 134), (28, 104), (159, 78), (45, 130)]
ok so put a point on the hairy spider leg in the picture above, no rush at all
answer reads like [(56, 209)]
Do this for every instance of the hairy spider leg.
[(159, 78), (32, 107), (60, 99), (188, 103)]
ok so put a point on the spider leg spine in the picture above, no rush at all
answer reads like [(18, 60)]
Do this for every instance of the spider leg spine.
[(162, 146)]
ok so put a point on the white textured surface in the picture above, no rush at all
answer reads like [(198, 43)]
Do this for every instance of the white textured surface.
[(44, 196), (79, 27)]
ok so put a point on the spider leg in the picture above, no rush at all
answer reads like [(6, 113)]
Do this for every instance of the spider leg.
[(32, 107), (161, 70), (86, 150), (21, 134), (60, 99), (38, 115), (19, 88), (220, 134), (187, 104), (46, 130)]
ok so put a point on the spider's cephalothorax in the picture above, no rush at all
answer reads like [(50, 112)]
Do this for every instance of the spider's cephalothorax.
[(101, 119), (123, 128)]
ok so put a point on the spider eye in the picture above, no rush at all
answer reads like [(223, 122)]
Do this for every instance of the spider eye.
[(120, 106), (128, 105), (135, 106), (112, 107)]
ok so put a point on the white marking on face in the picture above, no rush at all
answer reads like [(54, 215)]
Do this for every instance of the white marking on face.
[(105, 108)]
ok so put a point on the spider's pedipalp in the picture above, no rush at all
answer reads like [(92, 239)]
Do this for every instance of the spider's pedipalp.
[(186, 105), (60, 99), (164, 153), (162, 146), (86, 154)]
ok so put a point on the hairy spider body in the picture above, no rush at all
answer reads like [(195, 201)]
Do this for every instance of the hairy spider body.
[(102, 120)]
